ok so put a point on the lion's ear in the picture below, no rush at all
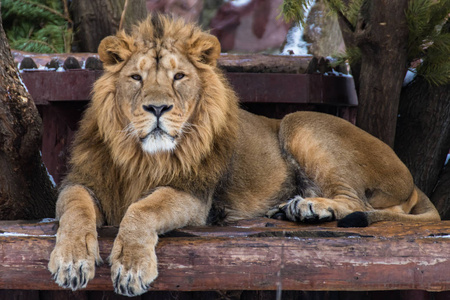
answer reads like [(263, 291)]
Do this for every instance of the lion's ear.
[(206, 49), (113, 50)]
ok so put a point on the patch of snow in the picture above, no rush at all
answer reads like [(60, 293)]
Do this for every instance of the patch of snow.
[(410, 75), (336, 73), (21, 81), (60, 69), (239, 3), (25, 234), (47, 220), (52, 180), (295, 45)]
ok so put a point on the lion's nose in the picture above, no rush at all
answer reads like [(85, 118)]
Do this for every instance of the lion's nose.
[(158, 111)]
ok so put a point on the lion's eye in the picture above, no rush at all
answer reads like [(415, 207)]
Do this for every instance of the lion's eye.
[(178, 76), (136, 77)]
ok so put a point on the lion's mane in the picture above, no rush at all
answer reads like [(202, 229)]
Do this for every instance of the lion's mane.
[(110, 162)]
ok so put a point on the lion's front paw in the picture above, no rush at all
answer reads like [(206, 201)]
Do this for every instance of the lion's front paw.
[(309, 210), (133, 267), (72, 262)]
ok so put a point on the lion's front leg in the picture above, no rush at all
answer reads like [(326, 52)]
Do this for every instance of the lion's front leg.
[(133, 259), (72, 261)]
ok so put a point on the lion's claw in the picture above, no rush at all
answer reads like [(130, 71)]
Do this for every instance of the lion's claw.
[(133, 267), (132, 282), (73, 275), (72, 264)]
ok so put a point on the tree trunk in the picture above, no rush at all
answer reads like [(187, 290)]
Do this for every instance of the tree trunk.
[(441, 194), (97, 19), (382, 35), (423, 131), (25, 189)]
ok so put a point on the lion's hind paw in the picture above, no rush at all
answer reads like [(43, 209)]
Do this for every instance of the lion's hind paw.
[(307, 210)]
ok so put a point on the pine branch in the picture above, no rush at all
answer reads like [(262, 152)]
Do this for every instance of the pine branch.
[(351, 56), (339, 9), (25, 45), (46, 8), (294, 10)]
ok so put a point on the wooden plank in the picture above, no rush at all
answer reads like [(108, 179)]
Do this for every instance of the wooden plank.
[(70, 85), (259, 254), (264, 63), (294, 88), (75, 85)]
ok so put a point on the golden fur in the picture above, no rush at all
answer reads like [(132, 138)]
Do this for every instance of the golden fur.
[(163, 145)]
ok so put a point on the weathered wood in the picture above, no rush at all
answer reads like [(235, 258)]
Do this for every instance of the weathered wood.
[(260, 254), (70, 85), (264, 63)]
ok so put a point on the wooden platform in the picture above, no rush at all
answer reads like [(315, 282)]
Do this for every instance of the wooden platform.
[(259, 254)]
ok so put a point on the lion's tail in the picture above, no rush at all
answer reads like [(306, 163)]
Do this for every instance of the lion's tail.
[(423, 211)]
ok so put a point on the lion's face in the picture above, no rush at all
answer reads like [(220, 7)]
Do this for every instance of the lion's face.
[(159, 89), (158, 80)]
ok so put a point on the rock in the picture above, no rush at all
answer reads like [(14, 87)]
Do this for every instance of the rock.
[(53, 64), (71, 63), (322, 31), (28, 63), (93, 63)]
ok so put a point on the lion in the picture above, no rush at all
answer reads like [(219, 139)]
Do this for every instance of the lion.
[(164, 144)]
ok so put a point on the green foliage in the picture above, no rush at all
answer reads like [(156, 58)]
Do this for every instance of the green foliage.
[(349, 12), (429, 39), (294, 10), (351, 56), (36, 25)]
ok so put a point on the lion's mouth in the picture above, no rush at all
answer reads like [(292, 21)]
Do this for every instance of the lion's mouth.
[(157, 133), (158, 140)]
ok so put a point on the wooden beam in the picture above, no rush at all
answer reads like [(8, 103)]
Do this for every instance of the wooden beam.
[(260, 254), (76, 85)]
